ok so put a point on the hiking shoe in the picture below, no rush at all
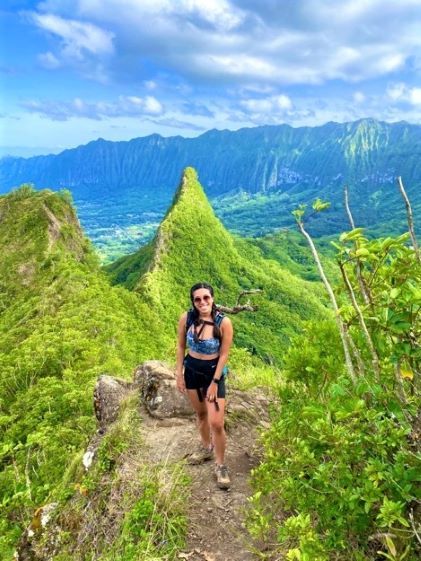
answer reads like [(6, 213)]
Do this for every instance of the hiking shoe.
[(201, 455), (222, 478)]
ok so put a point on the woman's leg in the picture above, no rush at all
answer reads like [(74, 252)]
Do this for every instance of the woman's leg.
[(216, 423), (202, 417)]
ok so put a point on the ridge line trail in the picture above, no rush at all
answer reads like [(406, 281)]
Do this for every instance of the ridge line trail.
[(215, 527)]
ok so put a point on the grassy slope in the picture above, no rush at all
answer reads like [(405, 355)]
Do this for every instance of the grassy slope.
[(61, 325), (179, 259)]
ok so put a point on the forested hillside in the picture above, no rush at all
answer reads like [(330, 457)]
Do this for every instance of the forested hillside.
[(62, 325), (254, 177), (192, 244)]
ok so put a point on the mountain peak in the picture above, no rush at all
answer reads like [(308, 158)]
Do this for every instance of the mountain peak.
[(37, 230), (189, 189), (190, 212)]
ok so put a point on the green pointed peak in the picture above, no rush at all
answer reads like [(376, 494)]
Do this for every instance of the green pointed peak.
[(190, 196), (190, 224)]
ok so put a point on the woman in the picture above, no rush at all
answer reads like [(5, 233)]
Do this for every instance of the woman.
[(208, 334)]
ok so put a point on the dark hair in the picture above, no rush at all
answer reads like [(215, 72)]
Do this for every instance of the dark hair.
[(196, 315)]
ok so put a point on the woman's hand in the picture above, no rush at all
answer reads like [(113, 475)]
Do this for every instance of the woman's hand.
[(181, 385), (212, 392)]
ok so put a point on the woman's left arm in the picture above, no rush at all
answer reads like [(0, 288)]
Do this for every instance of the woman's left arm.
[(227, 333)]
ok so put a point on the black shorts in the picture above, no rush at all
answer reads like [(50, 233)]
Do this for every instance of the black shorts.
[(198, 375)]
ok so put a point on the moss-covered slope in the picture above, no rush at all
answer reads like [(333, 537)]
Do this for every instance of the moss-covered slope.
[(61, 325), (192, 245)]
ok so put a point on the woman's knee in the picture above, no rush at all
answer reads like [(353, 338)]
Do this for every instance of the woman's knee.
[(202, 415), (217, 426)]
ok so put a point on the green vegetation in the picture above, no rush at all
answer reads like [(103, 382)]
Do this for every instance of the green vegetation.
[(192, 245), (122, 508), (61, 325), (291, 251), (341, 472)]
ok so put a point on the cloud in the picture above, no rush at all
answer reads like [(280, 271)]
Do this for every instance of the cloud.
[(359, 97), (178, 124), (233, 41), (49, 61), (125, 106), (279, 103), (77, 38), (400, 92)]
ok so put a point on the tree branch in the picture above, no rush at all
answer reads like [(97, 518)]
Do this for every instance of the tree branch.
[(339, 322), (410, 219), (237, 308)]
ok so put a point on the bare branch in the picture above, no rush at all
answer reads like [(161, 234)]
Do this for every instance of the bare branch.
[(361, 282), (410, 219), (374, 355), (244, 292), (355, 352), (237, 309), (348, 211), (411, 518), (339, 322)]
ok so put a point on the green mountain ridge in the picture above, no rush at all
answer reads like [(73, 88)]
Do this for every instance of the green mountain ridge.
[(176, 259), (62, 325), (254, 177)]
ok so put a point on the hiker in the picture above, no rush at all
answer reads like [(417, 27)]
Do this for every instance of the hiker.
[(208, 335)]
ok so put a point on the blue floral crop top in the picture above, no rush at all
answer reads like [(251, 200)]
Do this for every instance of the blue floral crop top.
[(202, 346)]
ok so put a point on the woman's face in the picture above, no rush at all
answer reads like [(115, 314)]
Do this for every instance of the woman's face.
[(202, 300)]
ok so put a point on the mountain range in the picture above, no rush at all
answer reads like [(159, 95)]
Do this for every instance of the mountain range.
[(254, 177)]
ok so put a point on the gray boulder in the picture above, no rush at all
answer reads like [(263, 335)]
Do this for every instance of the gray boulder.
[(158, 390)]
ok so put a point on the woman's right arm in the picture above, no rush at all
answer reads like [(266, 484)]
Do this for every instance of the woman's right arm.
[(181, 350)]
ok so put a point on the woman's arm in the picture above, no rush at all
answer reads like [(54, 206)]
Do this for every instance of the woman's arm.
[(181, 349), (227, 333)]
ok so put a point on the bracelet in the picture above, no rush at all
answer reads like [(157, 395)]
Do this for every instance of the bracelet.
[(216, 380)]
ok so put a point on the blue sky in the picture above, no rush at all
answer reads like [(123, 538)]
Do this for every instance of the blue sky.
[(75, 70)]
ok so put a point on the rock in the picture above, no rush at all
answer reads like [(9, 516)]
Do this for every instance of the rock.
[(38, 532), (159, 394), (108, 394)]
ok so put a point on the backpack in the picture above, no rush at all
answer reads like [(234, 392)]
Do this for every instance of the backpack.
[(219, 316)]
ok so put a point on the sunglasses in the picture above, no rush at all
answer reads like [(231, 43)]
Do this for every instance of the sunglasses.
[(206, 298)]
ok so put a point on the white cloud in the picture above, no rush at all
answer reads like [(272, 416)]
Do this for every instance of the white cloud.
[(49, 60), (400, 92), (396, 91), (232, 40), (359, 97), (77, 38), (271, 104), (415, 96), (150, 84), (125, 106), (149, 105)]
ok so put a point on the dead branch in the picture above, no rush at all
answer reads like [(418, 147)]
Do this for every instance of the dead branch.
[(373, 352), (363, 287), (339, 322), (237, 308), (410, 219), (348, 211), (244, 292)]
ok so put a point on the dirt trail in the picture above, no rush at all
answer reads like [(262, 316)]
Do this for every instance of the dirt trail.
[(216, 517)]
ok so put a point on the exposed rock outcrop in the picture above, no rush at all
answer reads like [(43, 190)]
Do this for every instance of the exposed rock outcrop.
[(158, 391)]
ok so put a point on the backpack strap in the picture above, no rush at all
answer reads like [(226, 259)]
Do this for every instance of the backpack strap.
[(219, 316)]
